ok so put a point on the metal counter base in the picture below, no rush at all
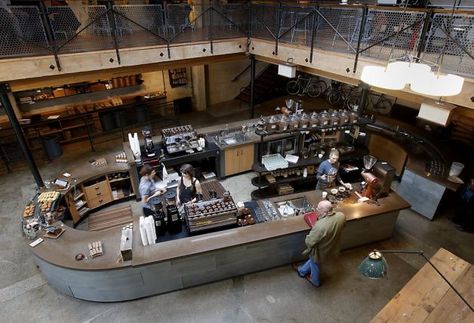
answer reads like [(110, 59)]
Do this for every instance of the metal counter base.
[(132, 282)]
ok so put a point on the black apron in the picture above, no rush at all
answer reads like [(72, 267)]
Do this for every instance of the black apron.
[(186, 194)]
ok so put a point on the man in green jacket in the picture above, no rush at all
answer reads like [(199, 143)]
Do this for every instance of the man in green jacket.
[(323, 241)]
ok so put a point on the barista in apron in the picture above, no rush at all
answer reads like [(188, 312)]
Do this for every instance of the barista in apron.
[(328, 172), (189, 188)]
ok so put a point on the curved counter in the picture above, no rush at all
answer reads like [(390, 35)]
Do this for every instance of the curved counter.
[(195, 260)]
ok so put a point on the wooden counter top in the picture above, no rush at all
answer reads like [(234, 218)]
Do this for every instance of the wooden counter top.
[(61, 252), (428, 298), (84, 171), (417, 166)]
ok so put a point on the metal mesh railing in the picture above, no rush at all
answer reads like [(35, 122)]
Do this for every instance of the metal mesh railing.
[(22, 32), (456, 47), (89, 30), (264, 21), (140, 25), (391, 33), (337, 29), (387, 33)]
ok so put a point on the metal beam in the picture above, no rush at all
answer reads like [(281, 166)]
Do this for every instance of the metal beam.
[(252, 86), (4, 89)]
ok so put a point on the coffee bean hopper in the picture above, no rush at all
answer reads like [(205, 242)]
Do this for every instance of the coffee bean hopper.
[(173, 217)]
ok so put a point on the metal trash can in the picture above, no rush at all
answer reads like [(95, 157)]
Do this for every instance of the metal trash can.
[(107, 121), (52, 147)]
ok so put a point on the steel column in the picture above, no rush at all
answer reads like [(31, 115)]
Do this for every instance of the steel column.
[(277, 33), (252, 86), (363, 98), (4, 89), (359, 39)]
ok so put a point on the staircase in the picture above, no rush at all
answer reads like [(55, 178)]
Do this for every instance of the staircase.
[(268, 84)]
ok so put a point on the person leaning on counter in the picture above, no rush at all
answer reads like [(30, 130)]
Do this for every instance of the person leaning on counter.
[(189, 187), (328, 172), (147, 188)]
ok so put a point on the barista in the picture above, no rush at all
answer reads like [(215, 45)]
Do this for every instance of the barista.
[(189, 189), (328, 172), (147, 188)]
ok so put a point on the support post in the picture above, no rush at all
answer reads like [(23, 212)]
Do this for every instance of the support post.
[(111, 17), (252, 86), (315, 20), (363, 98), (4, 89), (359, 39), (277, 33), (424, 31)]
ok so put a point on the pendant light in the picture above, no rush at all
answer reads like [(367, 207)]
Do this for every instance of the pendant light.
[(438, 85), (411, 70), (382, 77)]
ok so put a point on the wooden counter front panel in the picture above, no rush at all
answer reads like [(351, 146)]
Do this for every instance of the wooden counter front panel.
[(239, 159), (98, 194)]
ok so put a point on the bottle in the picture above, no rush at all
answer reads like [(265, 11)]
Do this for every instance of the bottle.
[(305, 172)]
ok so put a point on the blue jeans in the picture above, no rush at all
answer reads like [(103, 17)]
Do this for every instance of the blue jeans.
[(312, 267)]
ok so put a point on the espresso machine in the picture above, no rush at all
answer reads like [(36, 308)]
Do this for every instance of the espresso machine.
[(149, 147)]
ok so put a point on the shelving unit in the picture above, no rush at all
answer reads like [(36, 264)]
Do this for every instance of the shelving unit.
[(98, 192), (268, 189)]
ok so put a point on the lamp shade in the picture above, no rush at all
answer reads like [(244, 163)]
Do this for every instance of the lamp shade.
[(438, 85), (373, 266), (381, 77), (408, 71)]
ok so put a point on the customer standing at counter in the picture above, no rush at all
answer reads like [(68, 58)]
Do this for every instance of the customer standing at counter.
[(323, 241), (147, 188), (328, 171), (189, 187)]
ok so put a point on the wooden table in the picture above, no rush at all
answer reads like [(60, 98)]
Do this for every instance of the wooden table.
[(428, 298)]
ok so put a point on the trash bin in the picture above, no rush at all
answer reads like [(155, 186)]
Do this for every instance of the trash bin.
[(142, 113), (52, 147), (107, 121)]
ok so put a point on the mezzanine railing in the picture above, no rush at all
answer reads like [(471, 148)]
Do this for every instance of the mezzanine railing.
[(376, 32)]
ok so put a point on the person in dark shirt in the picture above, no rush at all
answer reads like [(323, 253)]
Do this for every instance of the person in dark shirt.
[(328, 171), (464, 217)]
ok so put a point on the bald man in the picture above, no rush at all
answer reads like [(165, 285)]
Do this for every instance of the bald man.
[(323, 241)]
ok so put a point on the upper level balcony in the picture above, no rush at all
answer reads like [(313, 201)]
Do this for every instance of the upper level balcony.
[(38, 41)]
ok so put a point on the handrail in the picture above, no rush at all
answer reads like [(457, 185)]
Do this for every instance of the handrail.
[(264, 19)]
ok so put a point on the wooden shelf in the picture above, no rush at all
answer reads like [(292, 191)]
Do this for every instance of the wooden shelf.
[(78, 196), (264, 182), (302, 162), (118, 179)]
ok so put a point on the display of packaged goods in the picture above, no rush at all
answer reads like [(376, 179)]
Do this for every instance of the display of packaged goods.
[(211, 214)]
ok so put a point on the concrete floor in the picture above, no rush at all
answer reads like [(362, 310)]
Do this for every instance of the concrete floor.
[(276, 295)]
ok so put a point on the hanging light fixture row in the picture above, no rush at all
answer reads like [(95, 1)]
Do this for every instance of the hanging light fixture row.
[(398, 74)]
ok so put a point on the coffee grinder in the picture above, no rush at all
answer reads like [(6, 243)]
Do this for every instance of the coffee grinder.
[(370, 189), (173, 217), (158, 215), (149, 147)]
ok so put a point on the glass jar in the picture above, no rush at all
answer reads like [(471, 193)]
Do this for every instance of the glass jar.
[(353, 117), (283, 123), (272, 124), (314, 120), (294, 122), (334, 120), (304, 121), (324, 118), (344, 117)]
